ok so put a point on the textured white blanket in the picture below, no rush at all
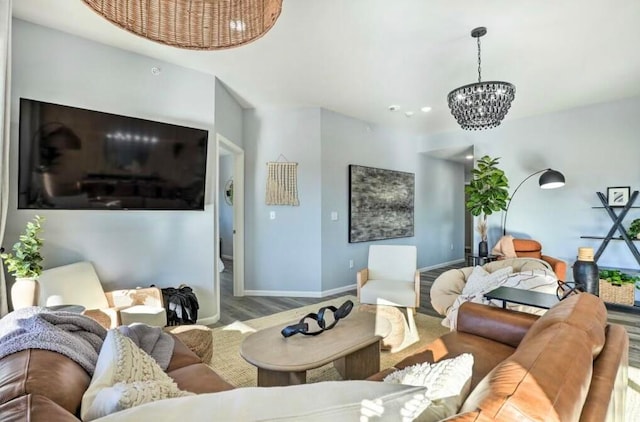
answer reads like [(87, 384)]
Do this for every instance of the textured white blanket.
[(542, 281)]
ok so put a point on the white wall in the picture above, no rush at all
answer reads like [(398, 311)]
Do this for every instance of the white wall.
[(282, 254), (128, 248), (594, 147)]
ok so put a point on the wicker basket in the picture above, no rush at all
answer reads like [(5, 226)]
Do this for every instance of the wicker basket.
[(623, 294)]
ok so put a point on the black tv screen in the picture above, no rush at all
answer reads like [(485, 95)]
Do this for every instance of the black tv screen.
[(72, 158)]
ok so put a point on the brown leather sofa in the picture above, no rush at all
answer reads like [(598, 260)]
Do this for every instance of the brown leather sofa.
[(567, 365), (39, 385)]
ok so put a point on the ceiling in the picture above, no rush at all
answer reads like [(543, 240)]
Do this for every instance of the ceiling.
[(358, 57)]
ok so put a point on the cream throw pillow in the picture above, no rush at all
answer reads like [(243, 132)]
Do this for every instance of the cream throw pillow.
[(125, 376), (482, 281), (448, 384)]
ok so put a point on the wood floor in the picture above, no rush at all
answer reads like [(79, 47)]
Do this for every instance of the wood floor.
[(249, 307)]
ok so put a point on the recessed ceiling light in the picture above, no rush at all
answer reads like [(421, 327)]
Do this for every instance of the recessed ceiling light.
[(469, 157), (408, 113), (155, 71), (426, 109), (394, 107)]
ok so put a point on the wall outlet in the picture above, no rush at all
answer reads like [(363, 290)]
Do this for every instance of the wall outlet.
[(272, 215), (351, 263), (334, 216)]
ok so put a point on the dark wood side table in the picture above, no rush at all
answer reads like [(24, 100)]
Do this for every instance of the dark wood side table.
[(523, 297), (473, 260)]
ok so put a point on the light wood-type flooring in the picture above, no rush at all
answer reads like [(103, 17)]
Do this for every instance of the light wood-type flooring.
[(249, 307)]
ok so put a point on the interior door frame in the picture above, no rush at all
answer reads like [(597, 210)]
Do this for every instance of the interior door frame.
[(223, 143)]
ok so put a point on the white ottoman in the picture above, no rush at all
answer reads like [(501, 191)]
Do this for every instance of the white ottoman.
[(150, 315)]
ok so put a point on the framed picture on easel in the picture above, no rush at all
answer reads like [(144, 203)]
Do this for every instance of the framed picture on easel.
[(618, 196)]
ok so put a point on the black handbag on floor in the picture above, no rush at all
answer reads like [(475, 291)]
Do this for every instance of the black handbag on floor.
[(181, 305)]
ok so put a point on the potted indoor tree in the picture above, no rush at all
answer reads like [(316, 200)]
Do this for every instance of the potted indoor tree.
[(25, 265), (487, 193)]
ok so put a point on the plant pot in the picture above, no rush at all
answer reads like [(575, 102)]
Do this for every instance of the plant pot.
[(24, 293), (483, 248)]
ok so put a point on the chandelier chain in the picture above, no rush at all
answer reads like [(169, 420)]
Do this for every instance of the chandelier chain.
[(479, 61)]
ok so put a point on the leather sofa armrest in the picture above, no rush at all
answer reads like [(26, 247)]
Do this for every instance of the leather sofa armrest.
[(501, 325), (559, 266), (34, 408), (361, 278)]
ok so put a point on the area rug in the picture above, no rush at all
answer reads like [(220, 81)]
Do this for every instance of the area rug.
[(228, 363)]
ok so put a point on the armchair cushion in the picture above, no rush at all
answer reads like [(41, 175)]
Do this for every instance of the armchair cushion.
[(392, 262), (391, 277), (389, 292), (78, 284)]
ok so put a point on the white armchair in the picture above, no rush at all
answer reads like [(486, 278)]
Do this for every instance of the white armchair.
[(391, 277), (78, 284)]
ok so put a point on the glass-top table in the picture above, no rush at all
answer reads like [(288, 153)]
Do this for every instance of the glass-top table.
[(523, 297)]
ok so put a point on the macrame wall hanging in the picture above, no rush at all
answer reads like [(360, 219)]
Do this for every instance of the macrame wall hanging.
[(282, 182)]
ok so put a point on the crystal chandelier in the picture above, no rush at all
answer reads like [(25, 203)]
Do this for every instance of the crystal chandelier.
[(481, 105)]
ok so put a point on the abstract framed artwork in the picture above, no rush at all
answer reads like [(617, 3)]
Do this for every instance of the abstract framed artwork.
[(618, 196), (381, 204)]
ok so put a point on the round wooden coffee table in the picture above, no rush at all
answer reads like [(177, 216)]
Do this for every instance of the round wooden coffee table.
[(353, 346)]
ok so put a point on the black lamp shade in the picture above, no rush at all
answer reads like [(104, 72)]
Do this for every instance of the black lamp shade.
[(551, 179)]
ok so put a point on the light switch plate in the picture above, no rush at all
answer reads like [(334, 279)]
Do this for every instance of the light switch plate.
[(272, 215), (334, 216)]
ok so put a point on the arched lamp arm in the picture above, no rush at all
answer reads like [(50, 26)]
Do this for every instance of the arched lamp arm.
[(504, 225)]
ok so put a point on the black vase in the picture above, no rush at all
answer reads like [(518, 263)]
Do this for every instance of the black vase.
[(585, 272), (483, 248)]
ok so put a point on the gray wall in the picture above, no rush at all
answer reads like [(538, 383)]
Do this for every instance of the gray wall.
[(128, 248), (226, 210), (303, 250), (282, 254), (594, 147), (228, 115)]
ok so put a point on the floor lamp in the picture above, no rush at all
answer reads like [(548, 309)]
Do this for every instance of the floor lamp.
[(550, 179)]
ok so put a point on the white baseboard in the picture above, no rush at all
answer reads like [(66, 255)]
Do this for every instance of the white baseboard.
[(443, 264), (292, 293), (209, 320), (338, 290)]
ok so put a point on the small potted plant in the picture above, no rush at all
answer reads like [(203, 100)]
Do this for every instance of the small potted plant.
[(25, 265), (634, 229)]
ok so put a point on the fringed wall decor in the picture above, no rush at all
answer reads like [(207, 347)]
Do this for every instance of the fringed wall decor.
[(282, 183)]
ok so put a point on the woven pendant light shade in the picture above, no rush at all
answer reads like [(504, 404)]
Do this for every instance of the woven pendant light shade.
[(192, 24)]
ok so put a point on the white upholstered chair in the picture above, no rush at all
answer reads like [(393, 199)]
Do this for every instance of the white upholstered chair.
[(391, 277), (78, 284)]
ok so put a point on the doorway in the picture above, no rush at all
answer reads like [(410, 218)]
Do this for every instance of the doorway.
[(229, 213)]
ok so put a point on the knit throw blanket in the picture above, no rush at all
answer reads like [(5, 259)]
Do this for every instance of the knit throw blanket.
[(73, 335)]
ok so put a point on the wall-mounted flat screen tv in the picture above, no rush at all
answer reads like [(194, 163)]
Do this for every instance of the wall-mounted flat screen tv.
[(72, 158)]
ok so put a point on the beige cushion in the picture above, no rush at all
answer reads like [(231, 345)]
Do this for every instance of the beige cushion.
[(389, 292), (73, 284), (150, 315), (125, 376), (392, 262), (448, 383), (480, 280), (329, 401)]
